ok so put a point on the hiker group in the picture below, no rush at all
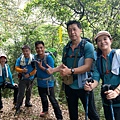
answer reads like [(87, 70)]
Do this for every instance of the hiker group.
[(79, 80)]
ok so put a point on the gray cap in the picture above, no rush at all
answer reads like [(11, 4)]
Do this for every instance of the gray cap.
[(102, 33)]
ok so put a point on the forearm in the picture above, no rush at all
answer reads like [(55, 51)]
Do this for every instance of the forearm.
[(117, 89), (82, 69), (33, 72), (18, 69)]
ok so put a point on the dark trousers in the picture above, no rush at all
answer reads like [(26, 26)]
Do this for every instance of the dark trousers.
[(8, 85), (108, 113), (72, 96), (24, 85), (43, 92)]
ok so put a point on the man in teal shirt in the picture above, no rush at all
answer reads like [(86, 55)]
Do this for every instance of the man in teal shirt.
[(74, 92)]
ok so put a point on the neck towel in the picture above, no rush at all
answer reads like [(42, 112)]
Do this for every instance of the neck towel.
[(23, 63), (116, 62), (5, 70)]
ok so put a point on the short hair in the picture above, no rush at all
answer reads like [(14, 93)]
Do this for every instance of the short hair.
[(26, 47), (39, 42), (73, 22)]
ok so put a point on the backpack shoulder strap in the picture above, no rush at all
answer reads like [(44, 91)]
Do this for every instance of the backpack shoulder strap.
[(111, 55), (45, 58), (100, 65), (82, 46)]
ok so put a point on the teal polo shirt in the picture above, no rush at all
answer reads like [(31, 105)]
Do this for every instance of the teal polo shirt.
[(69, 60), (109, 78)]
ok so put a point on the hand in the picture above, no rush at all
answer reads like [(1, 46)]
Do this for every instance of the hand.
[(27, 75), (64, 70), (111, 94), (16, 85), (88, 86), (25, 70), (49, 69)]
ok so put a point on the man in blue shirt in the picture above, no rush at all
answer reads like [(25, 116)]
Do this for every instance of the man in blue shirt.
[(24, 67), (45, 81)]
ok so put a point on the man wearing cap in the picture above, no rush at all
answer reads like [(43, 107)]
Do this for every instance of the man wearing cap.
[(5, 72), (27, 72), (107, 68)]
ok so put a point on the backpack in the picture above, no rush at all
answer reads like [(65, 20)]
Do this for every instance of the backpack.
[(99, 63), (81, 45), (36, 57), (52, 52)]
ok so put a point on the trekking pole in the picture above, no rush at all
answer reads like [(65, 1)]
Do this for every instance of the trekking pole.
[(87, 101), (87, 97), (112, 112), (111, 105)]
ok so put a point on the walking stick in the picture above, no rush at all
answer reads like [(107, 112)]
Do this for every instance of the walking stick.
[(87, 96), (87, 101), (111, 105)]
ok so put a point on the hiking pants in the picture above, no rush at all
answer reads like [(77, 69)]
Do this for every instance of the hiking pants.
[(24, 84), (43, 92), (108, 114), (72, 96), (8, 85)]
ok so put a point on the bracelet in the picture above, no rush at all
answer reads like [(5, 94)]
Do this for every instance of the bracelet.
[(118, 89)]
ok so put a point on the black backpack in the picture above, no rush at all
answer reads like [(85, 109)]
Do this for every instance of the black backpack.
[(81, 45)]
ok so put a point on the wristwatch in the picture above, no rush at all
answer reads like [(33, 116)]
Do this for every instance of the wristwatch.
[(72, 71)]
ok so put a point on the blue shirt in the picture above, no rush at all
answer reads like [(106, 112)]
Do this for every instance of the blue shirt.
[(4, 75), (43, 74), (88, 53), (28, 67)]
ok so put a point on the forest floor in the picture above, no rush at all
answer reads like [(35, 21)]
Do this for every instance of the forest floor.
[(32, 113)]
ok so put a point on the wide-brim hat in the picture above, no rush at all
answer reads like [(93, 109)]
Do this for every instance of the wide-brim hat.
[(100, 33)]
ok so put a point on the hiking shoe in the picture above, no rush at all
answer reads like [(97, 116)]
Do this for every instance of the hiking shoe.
[(17, 111), (28, 105), (43, 114)]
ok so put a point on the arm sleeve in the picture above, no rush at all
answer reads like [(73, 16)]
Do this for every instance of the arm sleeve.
[(18, 69), (33, 72), (17, 66)]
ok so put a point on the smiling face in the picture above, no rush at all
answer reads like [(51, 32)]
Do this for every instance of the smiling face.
[(104, 43), (26, 52), (40, 49), (2, 60), (74, 32)]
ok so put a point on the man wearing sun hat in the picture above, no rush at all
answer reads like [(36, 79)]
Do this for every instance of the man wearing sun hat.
[(5, 72)]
